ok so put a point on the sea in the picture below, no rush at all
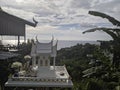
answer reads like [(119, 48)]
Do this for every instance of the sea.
[(61, 43)]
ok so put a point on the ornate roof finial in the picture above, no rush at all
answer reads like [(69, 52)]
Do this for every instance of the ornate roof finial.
[(36, 22), (56, 42), (52, 37), (36, 38), (1, 9)]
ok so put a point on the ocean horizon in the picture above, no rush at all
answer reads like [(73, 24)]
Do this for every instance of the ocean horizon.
[(61, 43)]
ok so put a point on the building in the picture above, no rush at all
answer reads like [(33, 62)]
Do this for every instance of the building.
[(41, 75), (11, 25)]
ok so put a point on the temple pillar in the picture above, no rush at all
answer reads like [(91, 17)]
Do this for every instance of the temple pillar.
[(54, 62), (18, 41), (38, 63), (43, 63), (34, 61), (48, 62)]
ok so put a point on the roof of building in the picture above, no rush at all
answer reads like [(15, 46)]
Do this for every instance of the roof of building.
[(44, 48), (15, 17), (13, 25)]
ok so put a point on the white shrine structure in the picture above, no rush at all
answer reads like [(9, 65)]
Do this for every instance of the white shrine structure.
[(41, 75)]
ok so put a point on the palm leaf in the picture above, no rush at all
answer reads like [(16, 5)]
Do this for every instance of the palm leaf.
[(102, 28), (109, 31), (111, 19)]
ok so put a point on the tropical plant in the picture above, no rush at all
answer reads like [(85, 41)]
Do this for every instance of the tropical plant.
[(113, 32)]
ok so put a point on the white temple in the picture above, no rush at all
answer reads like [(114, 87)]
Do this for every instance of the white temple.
[(41, 73)]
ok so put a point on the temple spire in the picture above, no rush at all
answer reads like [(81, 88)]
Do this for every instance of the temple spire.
[(36, 38), (35, 22), (1, 9)]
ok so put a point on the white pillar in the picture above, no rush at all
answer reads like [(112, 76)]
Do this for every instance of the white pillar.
[(48, 62), (38, 63), (34, 61), (43, 62), (54, 62)]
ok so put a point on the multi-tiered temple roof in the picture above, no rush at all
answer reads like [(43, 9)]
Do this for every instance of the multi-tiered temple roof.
[(44, 48)]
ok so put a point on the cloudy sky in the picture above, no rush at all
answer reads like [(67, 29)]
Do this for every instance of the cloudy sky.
[(64, 19)]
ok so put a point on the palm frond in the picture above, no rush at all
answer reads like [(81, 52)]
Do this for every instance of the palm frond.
[(111, 19), (109, 31), (102, 28)]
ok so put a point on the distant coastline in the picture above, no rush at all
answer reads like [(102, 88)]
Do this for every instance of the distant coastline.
[(69, 43), (61, 43)]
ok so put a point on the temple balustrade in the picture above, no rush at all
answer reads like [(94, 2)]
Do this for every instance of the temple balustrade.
[(39, 79)]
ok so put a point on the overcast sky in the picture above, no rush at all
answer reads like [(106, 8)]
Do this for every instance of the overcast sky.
[(64, 19)]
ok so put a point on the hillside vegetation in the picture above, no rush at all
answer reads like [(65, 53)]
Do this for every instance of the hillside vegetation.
[(87, 65)]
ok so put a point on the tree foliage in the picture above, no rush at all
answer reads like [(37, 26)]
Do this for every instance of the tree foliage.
[(113, 32)]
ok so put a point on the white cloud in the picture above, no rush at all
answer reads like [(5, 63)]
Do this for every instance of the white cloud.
[(45, 32), (63, 18)]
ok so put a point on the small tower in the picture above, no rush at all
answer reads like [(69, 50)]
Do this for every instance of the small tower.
[(42, 52)]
